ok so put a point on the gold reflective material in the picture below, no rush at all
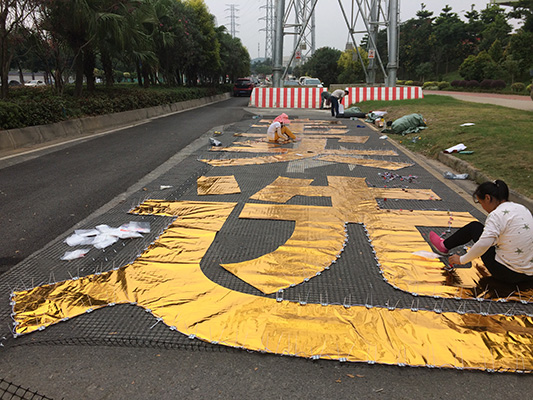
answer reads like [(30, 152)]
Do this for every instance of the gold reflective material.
[(307, 148), (167, 280), (317, 239), (212, 185), (365, 162), (342, 138)]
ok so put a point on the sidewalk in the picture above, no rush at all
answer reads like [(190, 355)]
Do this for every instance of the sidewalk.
[(301, 216), (505, 100)]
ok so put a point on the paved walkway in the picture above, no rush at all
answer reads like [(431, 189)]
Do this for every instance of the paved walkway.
[(505, 100)]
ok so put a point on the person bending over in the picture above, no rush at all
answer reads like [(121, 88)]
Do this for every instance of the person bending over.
[(505, 243), (335, 98), (279, 132)]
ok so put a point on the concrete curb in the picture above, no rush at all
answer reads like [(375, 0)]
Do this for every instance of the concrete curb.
[(479, 177), (14, 139)]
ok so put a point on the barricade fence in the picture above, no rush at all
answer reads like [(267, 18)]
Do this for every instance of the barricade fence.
[(308, 97)]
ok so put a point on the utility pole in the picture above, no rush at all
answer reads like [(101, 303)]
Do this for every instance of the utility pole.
[(233, 10), (278, 43), (269, 27), (392, 66)]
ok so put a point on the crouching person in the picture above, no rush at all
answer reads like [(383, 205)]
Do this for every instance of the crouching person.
[(279, 132)]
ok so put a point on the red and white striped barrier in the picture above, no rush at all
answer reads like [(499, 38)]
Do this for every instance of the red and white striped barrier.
[(310, 97)]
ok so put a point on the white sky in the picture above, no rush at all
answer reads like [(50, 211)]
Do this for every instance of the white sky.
[(330, 30)]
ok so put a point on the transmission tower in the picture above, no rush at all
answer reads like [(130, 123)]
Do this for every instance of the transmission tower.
[(360, 16), (269, 27), (303, 27), (233, 17)]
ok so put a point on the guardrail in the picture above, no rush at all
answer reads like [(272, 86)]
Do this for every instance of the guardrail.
[(306, 97)]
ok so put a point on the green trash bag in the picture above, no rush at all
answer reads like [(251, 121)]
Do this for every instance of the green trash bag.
[(411, 123), (354, 112)]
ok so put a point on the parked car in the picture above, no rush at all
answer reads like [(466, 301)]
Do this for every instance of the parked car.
[(314, 82), (290, 83), (35, 82), (243, 86), (14, 82)]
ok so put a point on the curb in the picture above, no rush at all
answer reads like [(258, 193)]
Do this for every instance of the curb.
[(479, 177), (15, 139)]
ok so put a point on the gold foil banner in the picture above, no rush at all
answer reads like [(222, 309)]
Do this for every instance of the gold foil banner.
[(394, 236), (366, 162), (307, 148), (213, 185), (167, 281), (341, 138)]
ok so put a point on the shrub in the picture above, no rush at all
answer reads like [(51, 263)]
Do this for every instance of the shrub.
[(443, 85), (409, 83), (11, 115), (486, 84), (456, 83), (429, 84), (529, 88), (472, 84), (417, 83), (498, 84), (463, 84), (38, 106), (518, 87), (400, 82)]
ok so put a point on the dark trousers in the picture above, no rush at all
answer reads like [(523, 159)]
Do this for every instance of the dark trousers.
[(334, 106), (324, 99), (473, 232)]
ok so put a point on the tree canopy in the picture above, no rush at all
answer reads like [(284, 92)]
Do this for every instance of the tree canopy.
[(166, 42)]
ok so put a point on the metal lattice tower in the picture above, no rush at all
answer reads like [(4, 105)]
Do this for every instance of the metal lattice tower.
[(269, 28), (360, 17), (233, 10), (303, 27)]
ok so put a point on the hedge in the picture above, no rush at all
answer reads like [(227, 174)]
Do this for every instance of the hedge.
[(29, 106)]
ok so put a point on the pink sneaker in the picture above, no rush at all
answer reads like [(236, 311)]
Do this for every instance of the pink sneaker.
[(438, 244)]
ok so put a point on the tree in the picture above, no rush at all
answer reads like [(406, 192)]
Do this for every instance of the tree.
[(234, 58), (323, 64), (263, 67), (416, 42), (424, 70), (350, 68), (495, 27), (13, 15), (478, 67), (450, 35)]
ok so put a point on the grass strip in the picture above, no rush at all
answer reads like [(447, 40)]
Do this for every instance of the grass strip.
[(501, 139)]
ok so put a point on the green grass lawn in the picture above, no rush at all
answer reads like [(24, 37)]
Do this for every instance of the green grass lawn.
[(502, 138)]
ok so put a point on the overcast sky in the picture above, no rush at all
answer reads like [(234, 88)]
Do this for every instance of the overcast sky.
[(331, 29)]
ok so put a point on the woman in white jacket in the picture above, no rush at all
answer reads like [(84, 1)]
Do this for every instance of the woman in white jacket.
[(505, 243)]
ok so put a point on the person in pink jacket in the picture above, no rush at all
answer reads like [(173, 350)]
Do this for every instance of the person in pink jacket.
[(504, 243), (279, 132)]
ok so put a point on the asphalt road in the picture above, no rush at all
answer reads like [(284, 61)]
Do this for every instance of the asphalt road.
[(111, 164), (50, 192)]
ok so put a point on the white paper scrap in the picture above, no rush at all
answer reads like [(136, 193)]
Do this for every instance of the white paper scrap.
[(72, 255)]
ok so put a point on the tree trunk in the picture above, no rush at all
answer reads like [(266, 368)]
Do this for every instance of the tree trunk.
[(108, 69), (139, 75), (5, 57), (89, 62), (146, 78), (21, 75), (78, 66)]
